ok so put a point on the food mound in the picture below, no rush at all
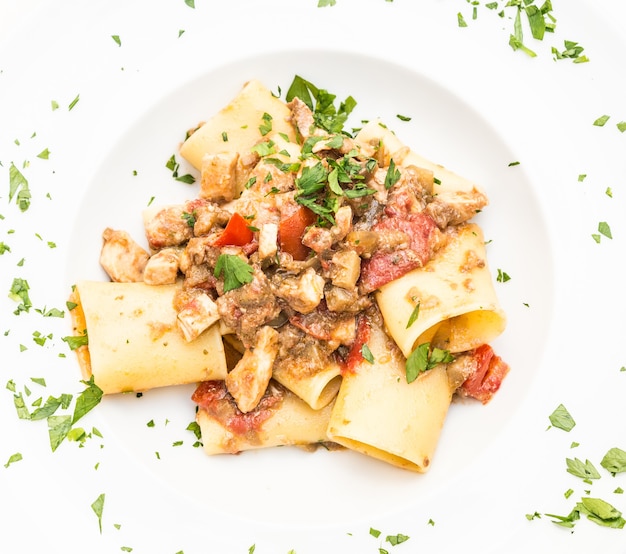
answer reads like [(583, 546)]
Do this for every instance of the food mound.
[(324, 287)]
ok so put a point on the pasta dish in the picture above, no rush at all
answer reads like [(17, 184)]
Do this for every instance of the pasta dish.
[(324, 287)]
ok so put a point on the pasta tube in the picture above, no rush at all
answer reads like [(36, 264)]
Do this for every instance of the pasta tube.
[(280, 419), (379, 414), (453, 296), (134, 343)]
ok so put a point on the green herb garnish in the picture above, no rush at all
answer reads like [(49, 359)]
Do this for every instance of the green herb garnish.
[(235, 271)]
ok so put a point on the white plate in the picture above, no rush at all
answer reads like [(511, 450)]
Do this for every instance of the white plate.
[(475, 106)]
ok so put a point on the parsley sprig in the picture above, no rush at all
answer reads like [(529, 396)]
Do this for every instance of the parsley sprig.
[(235, 271), (322, 103), (423, 358)]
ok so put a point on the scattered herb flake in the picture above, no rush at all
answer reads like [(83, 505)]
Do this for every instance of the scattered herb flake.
[(614, 461), (98, 506), (19, 293), (562, 419), (601, 121), (87, 400), (584, 470), (621, 126), (18, 184), (58, 428), (73, 103), (503, 276), (604, 229), (367, 354), (394, 540), (13, 458), (117, 40), (75, 342), (414, 316)]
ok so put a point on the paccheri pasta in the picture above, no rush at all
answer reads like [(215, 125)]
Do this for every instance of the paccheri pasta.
[(323, 287)]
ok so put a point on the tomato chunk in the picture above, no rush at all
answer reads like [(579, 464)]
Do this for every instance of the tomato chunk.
[(291, 229), (355, 355), (488, 376), (384, 267), (236, 232)]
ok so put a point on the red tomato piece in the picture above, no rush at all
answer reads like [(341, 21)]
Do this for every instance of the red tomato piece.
[(488, 376), (291, 229), (355, 355), (236, 232), (384, 267)]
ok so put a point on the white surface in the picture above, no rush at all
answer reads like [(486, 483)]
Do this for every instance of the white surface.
[(476, 106)]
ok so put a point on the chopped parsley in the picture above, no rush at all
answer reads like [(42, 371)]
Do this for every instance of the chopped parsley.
[(174, 166), (367, 354), (13, 458), (18, 185), (604, 229), (393, 175), (266, 126), (585, 470), (19, 293), (601, 121), (422, 359), (502, 277), (614, 461), (235, 271), (597, 510), (117, 40), (73, 103), (190, 218), (572, 51), (414, 316), (98, 506), (75, 342), (562, 419), (325, 114)]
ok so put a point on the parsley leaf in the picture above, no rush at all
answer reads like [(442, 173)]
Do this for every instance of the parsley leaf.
[(321, 102), (367, 354), (614, 461), (13, 458), (393, 175), (236, 272), (584, 470), (19, 184), (58, 428), (562, 419), (414, 316), (98, 506), (87, 400), (19, 292), (422, 359)]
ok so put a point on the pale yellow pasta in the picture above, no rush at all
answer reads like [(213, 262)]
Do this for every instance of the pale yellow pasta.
[(134, 341), (458, 308), (235, 128), (448, 184), (379, 414), (316, 388), (293, 422)]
